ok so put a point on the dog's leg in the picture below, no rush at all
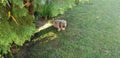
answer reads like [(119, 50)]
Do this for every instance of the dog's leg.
[(59, 29)]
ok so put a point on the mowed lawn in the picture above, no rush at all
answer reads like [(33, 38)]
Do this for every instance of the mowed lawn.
[(93, 32)]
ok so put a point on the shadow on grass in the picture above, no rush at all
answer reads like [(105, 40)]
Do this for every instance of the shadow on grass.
[(43, 36), (42, 32)]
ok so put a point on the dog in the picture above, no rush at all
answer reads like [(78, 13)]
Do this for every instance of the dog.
[(60, 24)]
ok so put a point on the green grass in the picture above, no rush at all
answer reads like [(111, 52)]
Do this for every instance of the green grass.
[(93, 32)]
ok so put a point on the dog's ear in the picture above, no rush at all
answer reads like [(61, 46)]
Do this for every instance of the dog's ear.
[(55, 22)]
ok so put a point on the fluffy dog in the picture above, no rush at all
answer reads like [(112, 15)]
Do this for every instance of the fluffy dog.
[(60, 24)]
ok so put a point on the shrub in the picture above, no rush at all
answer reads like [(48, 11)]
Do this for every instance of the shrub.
[(16, 27), (53, 8)]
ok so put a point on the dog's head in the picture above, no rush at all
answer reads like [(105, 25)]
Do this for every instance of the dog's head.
[(63, 25)]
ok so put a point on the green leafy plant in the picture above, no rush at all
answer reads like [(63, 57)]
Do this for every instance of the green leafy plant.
[(52, 8), (11, 32), (43, 7), (60, 6)]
